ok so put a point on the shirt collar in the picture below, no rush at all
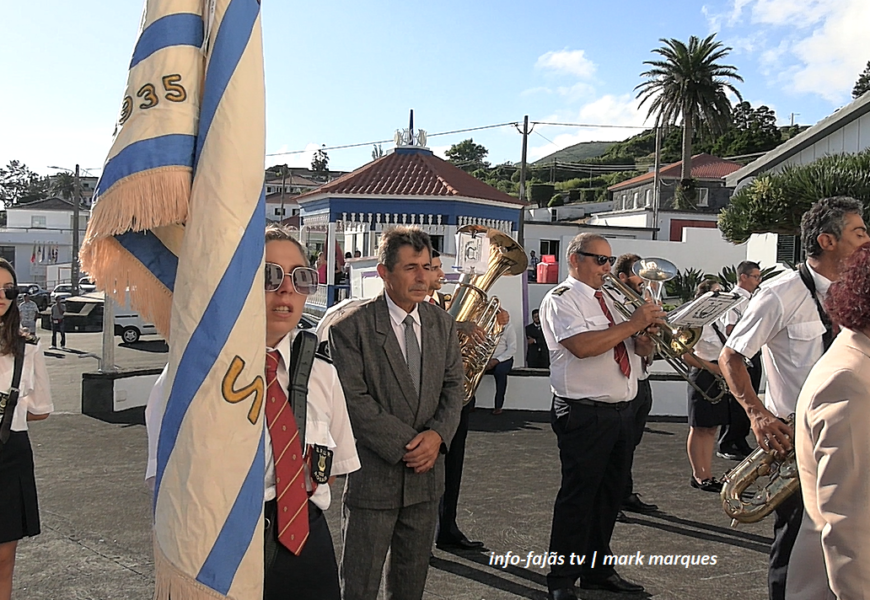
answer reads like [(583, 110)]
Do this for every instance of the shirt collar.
[(822, 282), (584, 288), (397, 315), (742, 291), (283, 347)]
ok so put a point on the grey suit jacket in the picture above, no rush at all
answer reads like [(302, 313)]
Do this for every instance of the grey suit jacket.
[(384, 409), (832, 447)]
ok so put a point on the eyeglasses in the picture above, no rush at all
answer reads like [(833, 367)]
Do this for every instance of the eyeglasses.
[(599, 258), (304, 279), (11, 293)]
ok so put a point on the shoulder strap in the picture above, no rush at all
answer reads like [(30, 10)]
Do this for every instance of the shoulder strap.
[(301, 359), (719, 333), (807, 278), (9, 400)]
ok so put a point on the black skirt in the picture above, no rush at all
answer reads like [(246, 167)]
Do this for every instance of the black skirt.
[(703, 413), (18, 503)]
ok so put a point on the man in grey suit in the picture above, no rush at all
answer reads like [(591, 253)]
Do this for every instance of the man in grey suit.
[(401, 370)]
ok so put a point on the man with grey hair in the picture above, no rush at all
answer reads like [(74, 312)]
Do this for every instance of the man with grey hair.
[(787, 322), (595, 361), (401, 371)]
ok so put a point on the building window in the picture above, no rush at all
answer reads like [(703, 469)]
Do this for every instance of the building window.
[(648, 199), (788, 249), (8, 252), (37, 221), (437, 242), (636, 200), (550, 247), (623, 202), (703, 197), (279, 212), (554, 215)]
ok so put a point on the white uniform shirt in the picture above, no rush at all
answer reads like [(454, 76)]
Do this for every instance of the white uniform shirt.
[(507, 344), (35, 394), (397, 320), (734, 315), (571, 308), (709, 345), (327, 424), (783, 322)]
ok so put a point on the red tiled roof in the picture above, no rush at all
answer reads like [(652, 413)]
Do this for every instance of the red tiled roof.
[(410, 173), (704, 166)]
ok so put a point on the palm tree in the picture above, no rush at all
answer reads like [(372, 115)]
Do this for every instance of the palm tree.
[(690, 86), (64, 185)]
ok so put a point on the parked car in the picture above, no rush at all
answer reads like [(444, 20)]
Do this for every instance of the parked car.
[(62, 291), (130, 326), (41, 297)]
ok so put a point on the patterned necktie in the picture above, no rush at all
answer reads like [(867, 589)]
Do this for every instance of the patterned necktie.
[(620, 354), (290, 475), (432, 300), (412, 352)]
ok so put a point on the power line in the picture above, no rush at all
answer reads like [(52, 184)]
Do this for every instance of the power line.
[(428, 135), (592, 125)]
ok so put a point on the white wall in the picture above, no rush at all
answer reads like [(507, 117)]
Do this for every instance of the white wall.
[(852, 138)]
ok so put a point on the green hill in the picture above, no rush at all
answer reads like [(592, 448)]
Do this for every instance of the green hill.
[(577, 152)]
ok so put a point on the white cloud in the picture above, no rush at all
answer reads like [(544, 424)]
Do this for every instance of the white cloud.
[(791, 13), (536, 90), (577, 91), (573, 62), (606, 110)]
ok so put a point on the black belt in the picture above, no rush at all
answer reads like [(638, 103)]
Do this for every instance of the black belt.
[(596, 403)]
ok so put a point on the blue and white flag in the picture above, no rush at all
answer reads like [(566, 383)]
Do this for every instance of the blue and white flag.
[(179, 224)]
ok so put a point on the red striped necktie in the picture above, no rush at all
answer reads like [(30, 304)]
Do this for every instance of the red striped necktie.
[(620, 354), (290, 475)]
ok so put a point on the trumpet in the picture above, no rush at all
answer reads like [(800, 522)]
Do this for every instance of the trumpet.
[(671, 342)]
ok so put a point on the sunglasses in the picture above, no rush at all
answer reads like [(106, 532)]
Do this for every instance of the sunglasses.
[(599, 258), (304, 279), (11, 293)]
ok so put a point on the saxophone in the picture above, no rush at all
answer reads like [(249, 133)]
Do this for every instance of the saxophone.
[(784, 481), (471, 303)]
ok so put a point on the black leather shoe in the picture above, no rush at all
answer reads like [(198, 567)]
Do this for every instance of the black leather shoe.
[(565, 594), (614, 583), (708, 485), (731, 453), (634, 504), (622, 517), (462, 543)]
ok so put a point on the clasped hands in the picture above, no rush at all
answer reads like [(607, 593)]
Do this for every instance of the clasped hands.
[(422, 451)]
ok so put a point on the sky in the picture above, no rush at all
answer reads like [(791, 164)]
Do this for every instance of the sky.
[(348, 72)]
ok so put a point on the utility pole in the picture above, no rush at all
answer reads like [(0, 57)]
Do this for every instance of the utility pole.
[(283, 183), (74, 261), (657, 182), (793, 115), (520, 227)]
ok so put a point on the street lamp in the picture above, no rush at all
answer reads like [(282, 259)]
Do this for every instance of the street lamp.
[(74, 261)]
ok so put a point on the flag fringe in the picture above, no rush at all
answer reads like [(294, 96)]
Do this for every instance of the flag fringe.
[(113, 269), (171, 583), (142, 201)]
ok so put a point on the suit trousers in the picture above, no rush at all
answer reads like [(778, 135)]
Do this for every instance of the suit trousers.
[(448, 530), (738, 428), (313, 575), (401, 537), (595, 444), (786, 525), (641, 406)]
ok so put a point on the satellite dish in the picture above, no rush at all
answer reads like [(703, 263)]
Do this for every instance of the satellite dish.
[(421, 137)]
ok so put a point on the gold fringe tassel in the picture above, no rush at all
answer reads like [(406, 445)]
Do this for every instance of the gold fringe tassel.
[(172, 584), (114, 270), (142, 201)]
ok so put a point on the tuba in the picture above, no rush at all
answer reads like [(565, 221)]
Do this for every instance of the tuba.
[(671, 342), (471, 303), (783, 482)]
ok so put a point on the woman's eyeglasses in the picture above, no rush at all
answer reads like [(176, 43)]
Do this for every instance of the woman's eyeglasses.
[(11, 293), (304, 279), (599, 258)]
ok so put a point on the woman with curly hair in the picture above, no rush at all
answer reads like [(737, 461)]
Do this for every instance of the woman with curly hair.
[(19, 512), (832, 445)]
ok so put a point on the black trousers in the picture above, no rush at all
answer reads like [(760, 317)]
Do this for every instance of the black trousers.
[(58, 326), (786, 524), (641, 406), (448, 530), (738, 428), (595, 444), (313, 575)]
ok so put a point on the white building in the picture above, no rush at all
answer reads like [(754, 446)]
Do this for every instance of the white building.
[(39, 234)]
